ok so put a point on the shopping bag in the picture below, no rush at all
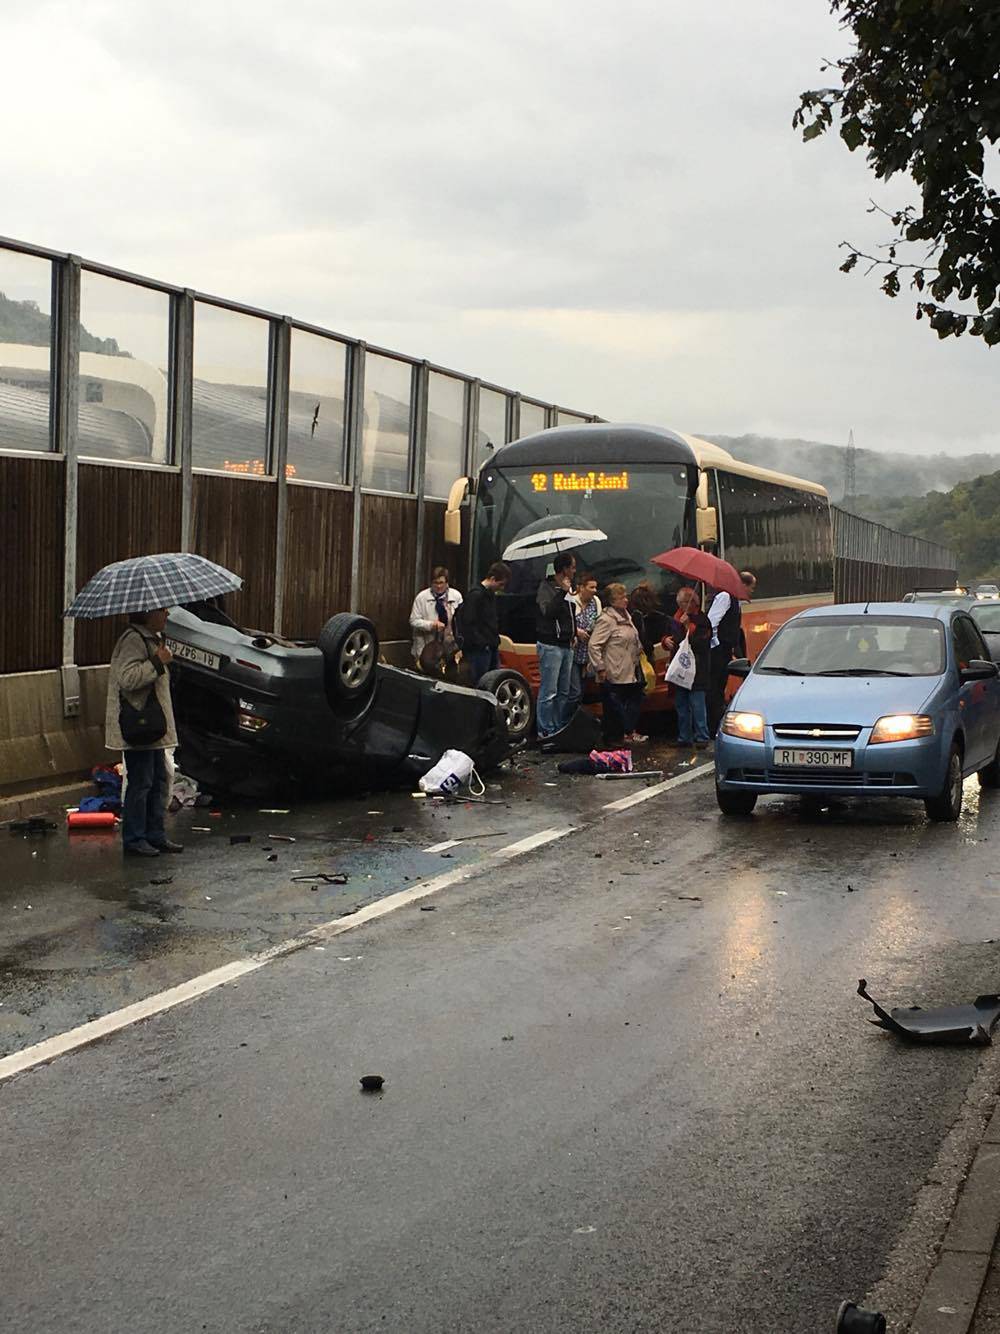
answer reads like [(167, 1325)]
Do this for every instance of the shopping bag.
[(682, 670), (453, 770), (648, 675)]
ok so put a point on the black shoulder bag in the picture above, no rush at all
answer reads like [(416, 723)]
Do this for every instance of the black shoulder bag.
[(143, 725)]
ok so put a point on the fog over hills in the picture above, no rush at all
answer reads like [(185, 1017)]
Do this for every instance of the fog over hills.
[(878, 474)]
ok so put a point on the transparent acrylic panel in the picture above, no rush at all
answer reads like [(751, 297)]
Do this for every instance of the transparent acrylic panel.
[(317, 376), (385, 435), (25, 351), (569, 419), (492, 425), (124, 352), (229, 395), (532, 418), (445, 434)]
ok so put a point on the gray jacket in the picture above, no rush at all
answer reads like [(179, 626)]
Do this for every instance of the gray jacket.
[(133, 671)]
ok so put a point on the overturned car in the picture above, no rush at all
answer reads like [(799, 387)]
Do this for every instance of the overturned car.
[(258, 713)]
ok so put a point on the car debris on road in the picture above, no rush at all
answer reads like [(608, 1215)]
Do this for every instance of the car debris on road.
[(971, 1023)]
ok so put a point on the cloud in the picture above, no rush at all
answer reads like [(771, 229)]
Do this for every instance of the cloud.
[(601, 205)]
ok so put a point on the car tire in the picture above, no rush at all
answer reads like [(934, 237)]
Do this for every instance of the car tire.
[(349, 645), (513, 694), (946, 807), (735, 802), (990, 776)]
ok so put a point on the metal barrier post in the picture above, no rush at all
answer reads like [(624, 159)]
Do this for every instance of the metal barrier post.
[(419, 397), (281, 351), (353, 428), (66, 383), (181, 374)]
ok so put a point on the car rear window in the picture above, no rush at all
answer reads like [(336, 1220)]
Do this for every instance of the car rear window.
[(987, 616), (857, 646)]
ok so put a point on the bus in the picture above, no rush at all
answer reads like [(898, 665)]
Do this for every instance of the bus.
[(647, 489)]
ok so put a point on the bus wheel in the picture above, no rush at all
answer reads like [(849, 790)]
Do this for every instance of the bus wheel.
[(735, 803), (513, 694)]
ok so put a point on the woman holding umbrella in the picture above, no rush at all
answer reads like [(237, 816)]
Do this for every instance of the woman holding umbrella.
[(139, 716)]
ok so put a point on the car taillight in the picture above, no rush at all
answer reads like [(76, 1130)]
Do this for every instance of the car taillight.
[(251, 723), (254, 666)]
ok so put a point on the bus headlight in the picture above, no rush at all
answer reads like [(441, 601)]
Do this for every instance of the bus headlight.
[(901, 727), (749, 726)]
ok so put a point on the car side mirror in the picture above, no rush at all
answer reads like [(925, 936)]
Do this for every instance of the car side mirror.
[(979, 670), (740, 667)]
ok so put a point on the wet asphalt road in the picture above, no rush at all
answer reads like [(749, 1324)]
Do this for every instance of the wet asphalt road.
[(606, 1106)]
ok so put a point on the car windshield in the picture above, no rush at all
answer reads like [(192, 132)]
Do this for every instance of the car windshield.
[(856, 646), (987, 616)]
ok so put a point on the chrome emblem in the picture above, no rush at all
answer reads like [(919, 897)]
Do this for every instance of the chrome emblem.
[(815, 732)]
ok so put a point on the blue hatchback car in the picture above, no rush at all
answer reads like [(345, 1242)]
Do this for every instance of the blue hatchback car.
[(873, 699)]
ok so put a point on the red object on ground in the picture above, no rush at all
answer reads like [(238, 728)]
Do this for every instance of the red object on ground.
[(701, 567), (91, 819)]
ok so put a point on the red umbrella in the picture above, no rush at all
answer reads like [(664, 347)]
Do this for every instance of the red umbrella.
[(701, 567)]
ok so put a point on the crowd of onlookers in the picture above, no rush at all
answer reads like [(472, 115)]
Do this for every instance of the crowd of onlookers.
[(609, 643)]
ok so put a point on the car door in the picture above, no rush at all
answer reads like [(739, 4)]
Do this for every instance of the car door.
[(977, 700), (991, 719)]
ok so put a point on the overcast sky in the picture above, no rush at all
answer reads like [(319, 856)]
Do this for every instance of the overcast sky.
[(599, 204)]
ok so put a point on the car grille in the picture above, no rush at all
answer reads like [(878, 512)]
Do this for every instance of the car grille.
[(817, 731), (826, 778)]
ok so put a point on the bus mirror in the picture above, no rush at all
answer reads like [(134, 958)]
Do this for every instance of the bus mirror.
[(702, 492), (707, 523), (453, 527), (453, 514)]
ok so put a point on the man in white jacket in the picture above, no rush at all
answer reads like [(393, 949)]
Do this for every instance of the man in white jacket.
[(433, 612)]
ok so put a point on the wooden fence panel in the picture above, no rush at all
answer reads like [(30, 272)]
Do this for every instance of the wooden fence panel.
[(124, 512), (31, 556), (388, 554), (235, 524), (317, 558)]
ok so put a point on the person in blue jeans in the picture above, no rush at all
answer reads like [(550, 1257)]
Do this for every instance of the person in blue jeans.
[(691, 623), (138, 668), (555, 635)]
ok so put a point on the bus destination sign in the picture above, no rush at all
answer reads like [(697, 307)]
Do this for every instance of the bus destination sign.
[(580, 481)]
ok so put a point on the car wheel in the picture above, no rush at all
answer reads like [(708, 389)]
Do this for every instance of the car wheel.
[(947, 805), (990, 776), (350, 646), (513, 694), (735, 803)]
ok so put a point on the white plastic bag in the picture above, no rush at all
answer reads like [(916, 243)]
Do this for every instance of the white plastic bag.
[(682, 670), (451, 772)]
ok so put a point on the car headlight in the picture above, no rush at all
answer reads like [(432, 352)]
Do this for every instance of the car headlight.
[(749, 726), (901, 727)]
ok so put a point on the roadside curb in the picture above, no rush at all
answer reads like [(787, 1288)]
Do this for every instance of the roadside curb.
[(44, 800), (951, 1294)]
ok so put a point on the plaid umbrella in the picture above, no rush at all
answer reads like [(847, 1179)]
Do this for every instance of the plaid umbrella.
[(145, 583)]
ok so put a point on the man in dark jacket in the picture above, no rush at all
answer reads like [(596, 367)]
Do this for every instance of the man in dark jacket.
[(478, 626), (555, 632)]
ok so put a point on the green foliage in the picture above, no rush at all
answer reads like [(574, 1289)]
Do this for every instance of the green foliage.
[(920, 94)]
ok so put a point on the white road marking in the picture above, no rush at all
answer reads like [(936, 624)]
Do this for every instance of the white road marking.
[(51, 1048), (84, 1034), (443, 847), (698, 771)]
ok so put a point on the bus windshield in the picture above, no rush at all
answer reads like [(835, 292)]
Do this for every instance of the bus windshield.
[(643, 511)]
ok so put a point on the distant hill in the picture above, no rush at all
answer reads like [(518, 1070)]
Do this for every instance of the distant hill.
[(879, 474), (23, 322)]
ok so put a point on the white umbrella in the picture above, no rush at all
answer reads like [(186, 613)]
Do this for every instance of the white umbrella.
[(548, 536)]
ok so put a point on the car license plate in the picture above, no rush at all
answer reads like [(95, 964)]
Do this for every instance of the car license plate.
[(813, 759), (188, 653)]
